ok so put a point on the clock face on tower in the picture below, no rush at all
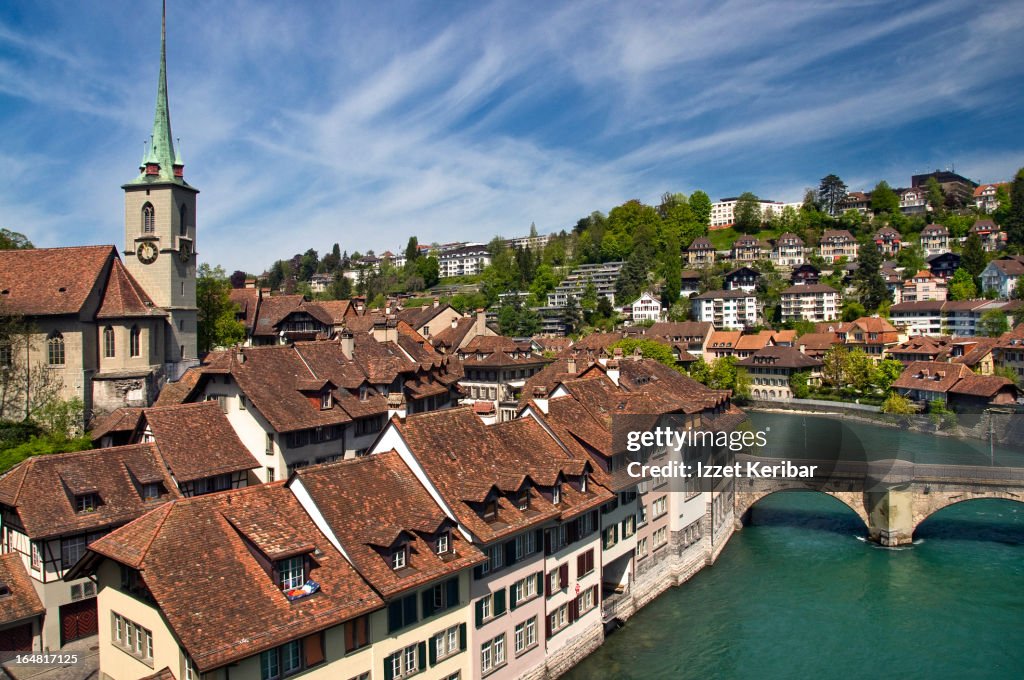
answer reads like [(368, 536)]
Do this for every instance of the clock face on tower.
[(146, 252)]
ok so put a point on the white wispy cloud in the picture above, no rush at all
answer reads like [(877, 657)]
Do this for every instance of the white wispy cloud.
[(309, 124)]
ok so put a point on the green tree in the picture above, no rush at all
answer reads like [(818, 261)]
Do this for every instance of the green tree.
[(429, 269), (868, 278), (972, 258), (412, 249), (835, 365), (747, 214), (831, 193), (886, 373), (799, 383), (936, 196), (651, 349), (1014, 220), (993, 323), (13, 240), (884, 200), (897, 405), (700, 206), (911, 258), (962, 286), (218, 326), (700, 371), (308, 264), (853, 310), (859, 370)]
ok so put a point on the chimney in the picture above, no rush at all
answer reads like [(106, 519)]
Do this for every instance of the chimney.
[(437, 303), (612, 370), (481, 321), (239, 355), (571, 365), (348, 343), (455, 322)]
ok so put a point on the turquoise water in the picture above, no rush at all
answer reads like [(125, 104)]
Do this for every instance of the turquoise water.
[(799, 593)]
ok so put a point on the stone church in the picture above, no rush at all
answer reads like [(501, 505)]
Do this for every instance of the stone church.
[(108, 331)]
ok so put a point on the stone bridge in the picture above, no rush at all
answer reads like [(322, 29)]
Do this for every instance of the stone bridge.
[(892, 497)]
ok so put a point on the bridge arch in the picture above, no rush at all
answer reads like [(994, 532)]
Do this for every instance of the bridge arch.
[(747, 499), (927, 505)]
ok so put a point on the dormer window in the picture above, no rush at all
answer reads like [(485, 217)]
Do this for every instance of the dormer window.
[(556, 494), (490, 510), (583, 484), (86, 502), (443, 543), (362, 393), (325, 400), (523, 502), (151, 492), (399, 558), (291, 572)]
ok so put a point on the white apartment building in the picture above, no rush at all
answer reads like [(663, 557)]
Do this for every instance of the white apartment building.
[(723, 212), (466, 260), (811, 302), (726, 309), (644, 308)]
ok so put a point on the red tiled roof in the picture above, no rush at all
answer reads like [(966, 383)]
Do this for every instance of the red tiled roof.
[(123, 297), (22, 601), (44, 281), (369, 503), (987, 386), (931, 376), (196, 440), (122, 420), (227, 614), (248, 301), (42, 489)]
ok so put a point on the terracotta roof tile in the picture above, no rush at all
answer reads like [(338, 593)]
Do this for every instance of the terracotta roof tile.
[(248, 301), (196, 441), (21, 600), (45, 281), (122, 420), (369, 503), (42, 489), (226, 615), (123, 297), (931, 376)]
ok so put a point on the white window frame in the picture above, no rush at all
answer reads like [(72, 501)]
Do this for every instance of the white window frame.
[(292, 577)]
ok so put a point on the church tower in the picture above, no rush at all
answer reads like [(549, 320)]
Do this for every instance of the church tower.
[(160, 230)]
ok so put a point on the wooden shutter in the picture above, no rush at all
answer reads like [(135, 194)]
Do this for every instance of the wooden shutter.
[(573, 531), (547, 583), (581, 565), (510, 553), (432, 650), (513, 597), (478, 572), (428, 602), (394, 616), (547, 630), (540, 581), (409, 615), (499, 602), (540, 537), (350, 635), (421, 656), (563, 575), (313, 646), (452, 598), (462, 637), (479, 613), (574, 607), (389, 670), (547, 542), (590, 560)]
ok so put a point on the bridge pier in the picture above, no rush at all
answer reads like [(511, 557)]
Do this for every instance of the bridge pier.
[(890, 516)]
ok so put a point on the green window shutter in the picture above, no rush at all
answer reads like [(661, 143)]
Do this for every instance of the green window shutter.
[(394, 616), (513, 596), (462, 637), (499, 602), (428, 602), (410, 614), (453, 592), (432, 651), (510, 553), (389, 671), (479, 613), (421, 656)]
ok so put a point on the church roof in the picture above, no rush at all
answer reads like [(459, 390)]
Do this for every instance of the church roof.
[(124, 297), (160, 150), (48, 281)]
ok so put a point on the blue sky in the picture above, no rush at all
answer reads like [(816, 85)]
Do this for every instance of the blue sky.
[(309, 123)]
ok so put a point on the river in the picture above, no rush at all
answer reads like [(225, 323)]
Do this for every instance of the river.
[(799, 593)]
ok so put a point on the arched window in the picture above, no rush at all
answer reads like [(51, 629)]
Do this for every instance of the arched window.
[(108, 342), (148, 219), (134, 344), (55, 349), (182, 224)]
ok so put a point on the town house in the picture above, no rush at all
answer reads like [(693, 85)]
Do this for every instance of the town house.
[(836, 244), (934, 240), (788, 251)]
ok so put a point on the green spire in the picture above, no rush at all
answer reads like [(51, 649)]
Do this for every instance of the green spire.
[(161, 143)]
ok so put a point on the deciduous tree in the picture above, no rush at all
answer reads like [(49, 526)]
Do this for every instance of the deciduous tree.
[(218, 326)]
